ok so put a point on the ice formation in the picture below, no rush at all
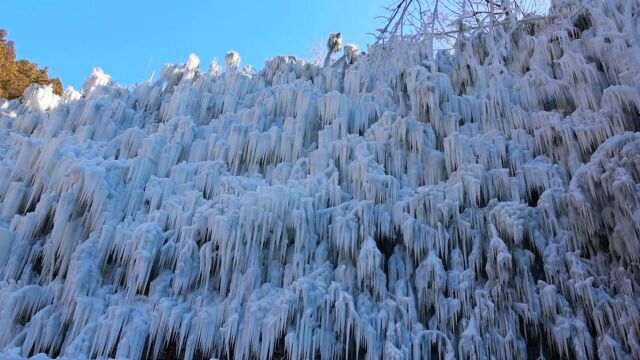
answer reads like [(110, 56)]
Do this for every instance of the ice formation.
[(478, 204), (232, 60), (334, 43)]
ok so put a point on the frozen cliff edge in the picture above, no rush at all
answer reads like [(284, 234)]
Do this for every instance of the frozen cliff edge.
[(470, 205)]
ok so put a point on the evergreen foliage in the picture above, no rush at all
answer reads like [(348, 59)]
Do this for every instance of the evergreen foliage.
[(16, 76)]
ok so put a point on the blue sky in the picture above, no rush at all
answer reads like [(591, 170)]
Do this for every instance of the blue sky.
[(130, 39)]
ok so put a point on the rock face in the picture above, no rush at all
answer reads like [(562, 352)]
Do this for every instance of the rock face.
[(483, 203)]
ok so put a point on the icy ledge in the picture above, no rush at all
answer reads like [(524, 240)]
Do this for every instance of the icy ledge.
[(391, 206)]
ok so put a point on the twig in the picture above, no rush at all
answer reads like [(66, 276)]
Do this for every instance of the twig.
[(534, 18)]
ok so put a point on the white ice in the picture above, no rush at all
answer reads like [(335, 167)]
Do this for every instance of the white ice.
[(393, 204)]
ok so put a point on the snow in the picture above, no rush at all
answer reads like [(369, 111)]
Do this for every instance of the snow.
[(472, 204)]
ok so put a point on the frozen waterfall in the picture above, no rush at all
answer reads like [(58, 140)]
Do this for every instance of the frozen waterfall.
[(475, 205)]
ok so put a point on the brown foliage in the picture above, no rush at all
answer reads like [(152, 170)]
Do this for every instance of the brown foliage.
[(16, 76)]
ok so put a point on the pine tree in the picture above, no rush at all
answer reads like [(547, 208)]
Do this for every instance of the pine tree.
[(16, 76)]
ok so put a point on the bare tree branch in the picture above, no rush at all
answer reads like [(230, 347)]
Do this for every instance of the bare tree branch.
[(435, 18)]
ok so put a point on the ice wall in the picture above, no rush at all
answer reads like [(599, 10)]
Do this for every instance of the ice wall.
[(480, 204)]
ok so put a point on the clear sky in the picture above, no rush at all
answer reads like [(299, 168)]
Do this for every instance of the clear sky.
[(131, 38)]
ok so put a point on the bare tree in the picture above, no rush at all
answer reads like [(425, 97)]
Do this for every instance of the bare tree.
[(446, 18)]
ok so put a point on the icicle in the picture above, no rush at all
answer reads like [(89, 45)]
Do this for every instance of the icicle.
[(40, 98), (393, 204), (232, 60), (97, 78)]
